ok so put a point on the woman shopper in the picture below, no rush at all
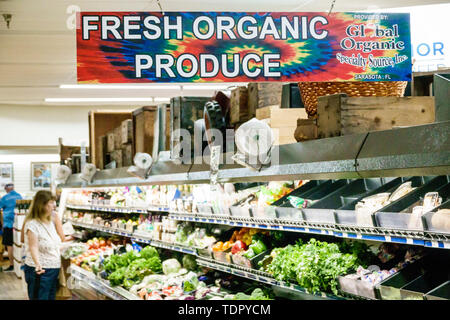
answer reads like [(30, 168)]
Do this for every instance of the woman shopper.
[(43, 233)]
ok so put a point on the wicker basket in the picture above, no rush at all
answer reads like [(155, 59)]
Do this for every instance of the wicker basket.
[(310, 91)]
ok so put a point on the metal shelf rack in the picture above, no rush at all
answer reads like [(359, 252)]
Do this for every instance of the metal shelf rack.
[(100, 285), (388, 153)]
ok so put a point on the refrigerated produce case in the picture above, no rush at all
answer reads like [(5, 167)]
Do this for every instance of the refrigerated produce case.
[(343, 172)]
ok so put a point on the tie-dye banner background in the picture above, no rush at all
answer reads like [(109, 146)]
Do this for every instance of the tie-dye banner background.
[(142, 47)]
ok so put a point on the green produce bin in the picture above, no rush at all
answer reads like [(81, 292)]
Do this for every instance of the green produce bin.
[(389, 289), (416, 289), (205, 252), (249, 263), (223, 256), (440, 293), (263, 212)]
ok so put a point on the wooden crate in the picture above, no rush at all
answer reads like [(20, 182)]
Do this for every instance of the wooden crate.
[(143, 129), (127, 154), (100, 123), (263, 94), (127, 131), (239, 105), (102, 150), (282, 121), (110, 147), (341, 115)]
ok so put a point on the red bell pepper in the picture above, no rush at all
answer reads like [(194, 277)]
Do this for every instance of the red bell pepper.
[(238, 246)]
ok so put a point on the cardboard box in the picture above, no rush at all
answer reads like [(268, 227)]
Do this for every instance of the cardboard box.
[(116, 155), (127, 131), (282, 121), (110, 142), (117, 137), (143, 126)]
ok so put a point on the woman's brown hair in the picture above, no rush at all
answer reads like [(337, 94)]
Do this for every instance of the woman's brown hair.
[(37, 208)]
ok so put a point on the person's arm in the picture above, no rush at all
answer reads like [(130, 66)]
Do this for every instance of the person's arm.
[(34, 250), (58, 226), (22, 234)]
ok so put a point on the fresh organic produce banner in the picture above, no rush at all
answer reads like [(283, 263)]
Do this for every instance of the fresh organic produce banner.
[(121, 47)]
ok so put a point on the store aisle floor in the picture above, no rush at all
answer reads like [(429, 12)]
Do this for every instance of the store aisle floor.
[(11, 286)]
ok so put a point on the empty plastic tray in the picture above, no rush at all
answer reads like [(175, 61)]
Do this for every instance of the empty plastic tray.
[(416, 289), (286, 213), (237, 211), (389, 289), (440, 293), (320, 215)]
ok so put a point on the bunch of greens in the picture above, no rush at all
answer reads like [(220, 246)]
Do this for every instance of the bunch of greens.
[(314, 265), (131, 267), (189, 262)]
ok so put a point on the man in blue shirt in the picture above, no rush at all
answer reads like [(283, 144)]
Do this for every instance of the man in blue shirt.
[(7, 204)]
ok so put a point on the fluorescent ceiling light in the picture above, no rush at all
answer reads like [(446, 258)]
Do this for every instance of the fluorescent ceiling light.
[(206, 87), (119, 87), (98, 99), (162, 99)]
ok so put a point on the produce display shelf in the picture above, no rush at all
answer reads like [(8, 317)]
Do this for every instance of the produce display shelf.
[(354, 232), (411, 237), (262, 277), (100, 285), (111, 209), (158, 209), (164, 245), (115, 231), (251, 223), (137, 238)]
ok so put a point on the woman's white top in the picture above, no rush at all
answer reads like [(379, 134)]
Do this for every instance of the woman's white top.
[(49, 244)]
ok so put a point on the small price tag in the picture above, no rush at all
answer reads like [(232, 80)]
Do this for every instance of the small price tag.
[(434, 244), (387, 238)]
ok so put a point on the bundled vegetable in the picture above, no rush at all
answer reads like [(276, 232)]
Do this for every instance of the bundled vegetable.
[(315, 265), (189, 262), (132, 267), (171, 266)]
